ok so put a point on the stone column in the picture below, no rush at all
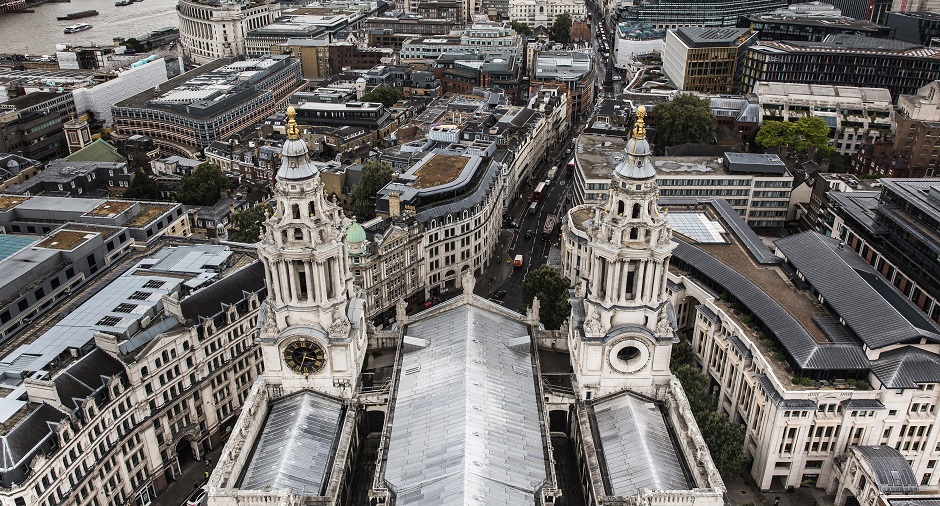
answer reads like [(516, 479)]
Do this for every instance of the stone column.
[(308, 272), (294, 282), (282, 281), (322, 280)]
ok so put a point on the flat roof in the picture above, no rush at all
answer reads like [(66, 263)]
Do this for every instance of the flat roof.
[(8, 202), (66, 240), (697, 36), (111, 208)]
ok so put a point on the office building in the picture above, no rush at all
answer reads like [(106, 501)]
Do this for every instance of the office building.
[(854, 115), (812, 21), (676, 13), (209, 31), (542, 13), (707, 60), (462, 72), (209, 103), (116, 392), (757, 186), (915, 27), (843, 60), (572, 69), (15, 169), (400, 22), (32, 125)]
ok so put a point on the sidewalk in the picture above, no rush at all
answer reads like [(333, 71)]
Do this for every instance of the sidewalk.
[(743, 491), (500, 266), (193, 473)]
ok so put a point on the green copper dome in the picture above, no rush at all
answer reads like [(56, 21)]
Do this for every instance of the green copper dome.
[(355, 233)]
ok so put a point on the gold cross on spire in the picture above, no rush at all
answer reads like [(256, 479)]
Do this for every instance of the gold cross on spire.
[(639, 129), (292, 130)]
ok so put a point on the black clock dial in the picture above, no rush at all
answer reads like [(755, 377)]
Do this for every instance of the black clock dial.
[(304, 357)]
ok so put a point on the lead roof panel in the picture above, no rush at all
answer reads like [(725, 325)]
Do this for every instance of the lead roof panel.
[(638, 450), (296, 445), (467, 427)]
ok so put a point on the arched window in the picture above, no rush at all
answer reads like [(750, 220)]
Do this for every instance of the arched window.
[(313, 209), (283, 236), (295, 211), (620, 207), (634, 233), (298, 234), (636, 211)]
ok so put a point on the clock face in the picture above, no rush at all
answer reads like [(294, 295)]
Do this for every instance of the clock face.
[(304, 356)]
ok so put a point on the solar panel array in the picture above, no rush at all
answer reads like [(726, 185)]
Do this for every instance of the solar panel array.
[(10, 244), (696, 226)]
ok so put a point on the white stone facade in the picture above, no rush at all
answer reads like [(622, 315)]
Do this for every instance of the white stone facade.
[(854, 114), (209, 32), (542, 13)]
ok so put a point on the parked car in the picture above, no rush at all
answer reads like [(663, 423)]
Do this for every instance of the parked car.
[(512, 224), (199, 497)]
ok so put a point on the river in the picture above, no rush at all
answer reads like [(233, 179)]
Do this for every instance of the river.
[(37, 33)]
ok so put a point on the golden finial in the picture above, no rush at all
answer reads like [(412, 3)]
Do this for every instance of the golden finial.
[(292, 131), (639, 129)]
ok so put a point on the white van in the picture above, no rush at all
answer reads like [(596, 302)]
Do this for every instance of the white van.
[(533, 207)]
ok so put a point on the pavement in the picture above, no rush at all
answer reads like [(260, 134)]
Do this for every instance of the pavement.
[(193, 473), (744, 492)]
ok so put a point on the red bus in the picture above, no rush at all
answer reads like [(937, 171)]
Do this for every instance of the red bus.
[(569, 169), (539, 192)]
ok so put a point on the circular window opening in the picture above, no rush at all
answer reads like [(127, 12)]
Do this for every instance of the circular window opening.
[(628, 353)]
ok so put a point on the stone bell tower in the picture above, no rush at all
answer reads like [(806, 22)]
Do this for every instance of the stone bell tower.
[(626, 339), (313, 334)]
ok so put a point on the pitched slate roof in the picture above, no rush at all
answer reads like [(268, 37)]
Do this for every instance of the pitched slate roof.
[(20, 442), (799, 344), (906, 367), (98, 151), (83, 378), (877, 313), (231, 289), (892, 472)]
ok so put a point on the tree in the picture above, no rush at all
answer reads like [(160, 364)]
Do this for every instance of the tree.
[(134, 45), (561, 28), (807, 133), (204, 186), (686, 119), (385, 95), (724, 438), (246, 224), (521, 28), (551, 288), (142, 187), (774, 134), (375, 175)]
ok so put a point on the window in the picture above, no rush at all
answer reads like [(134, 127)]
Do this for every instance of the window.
[(125, 308), (109, 321), (139, 296), (154, 284)]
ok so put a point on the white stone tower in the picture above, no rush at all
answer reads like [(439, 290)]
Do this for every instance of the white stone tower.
[(626, 340), (313, 334)]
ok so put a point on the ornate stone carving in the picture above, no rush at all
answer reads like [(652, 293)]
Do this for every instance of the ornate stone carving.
[(339, 329), (662, 326), (592, 326)]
